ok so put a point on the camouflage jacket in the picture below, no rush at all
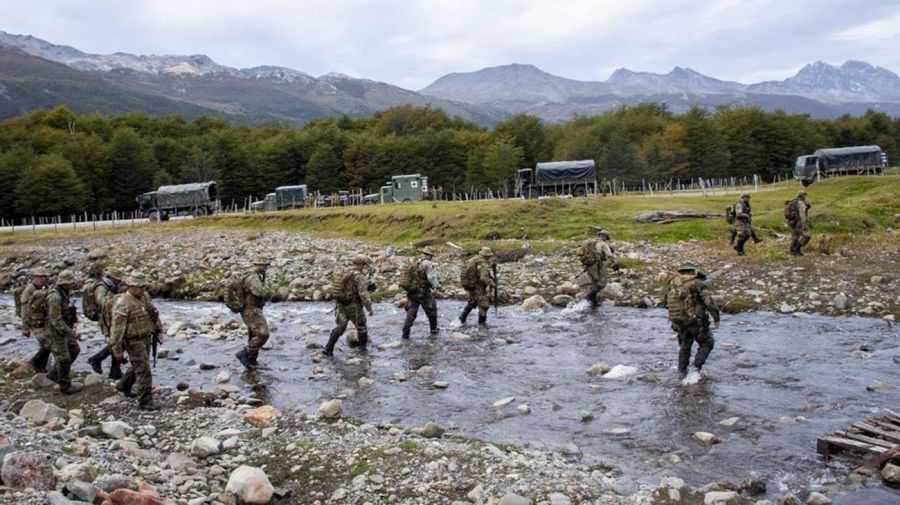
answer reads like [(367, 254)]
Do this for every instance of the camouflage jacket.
[(429, 273), (60, 313), (360, 292), (702, 302), (105, 294), (132, 317), (255, 291), (742, 211), (802, 211)]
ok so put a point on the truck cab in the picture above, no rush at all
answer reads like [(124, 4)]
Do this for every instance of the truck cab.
[(806, 169)]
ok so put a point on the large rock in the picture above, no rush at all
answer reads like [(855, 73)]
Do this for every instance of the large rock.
[(720, 498), (250, 484), (567, 288), (840, 301), (41, 412), (432, 430), (621, 372), (116, 429), (614, 290), (27, 469), (599, 368), (84, 472), (331, 409), (262, 416), (816, 498), (533, 303), (706, 438), (129, 497), (514, 499), (111, 482), (205, 446), (561, 300), (82, 491), (891, 473)]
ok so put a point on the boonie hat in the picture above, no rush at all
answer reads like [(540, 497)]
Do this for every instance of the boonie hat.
[(66, 277), (429, 251), (136, 279), (486, 252), (40, 272)]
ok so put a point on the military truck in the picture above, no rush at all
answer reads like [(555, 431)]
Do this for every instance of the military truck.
[(832, 162), (405, 188), (289, 197), (194, 199), (575, 178), (264, 205)]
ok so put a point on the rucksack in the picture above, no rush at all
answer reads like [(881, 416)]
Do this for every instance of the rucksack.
[(468, 278), (89, 305), (680, 302), (730, 214), (37, 308), (343, 287), (411, 276), (234, 292), (790, 211)]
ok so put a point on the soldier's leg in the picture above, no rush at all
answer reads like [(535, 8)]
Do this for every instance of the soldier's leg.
[(705, 344), (470, 305), (340, 320), (42, 356), (685, 342), (63, 362), (430, 306), (141, 375), (115, 369), (592, 295), (259, 333), (803, 239), (96, 361), (126, 383), (733, 235), (358, 315), (795, 242), (412, 311), (484, 304)]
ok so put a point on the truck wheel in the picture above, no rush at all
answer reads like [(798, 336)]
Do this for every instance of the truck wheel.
[(580, 191), (165, 217), (406, 200), (153, 217), (199, 212), (806, 182)]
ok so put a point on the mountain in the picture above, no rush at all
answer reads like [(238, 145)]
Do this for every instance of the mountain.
[(250, 95), (853, 81)]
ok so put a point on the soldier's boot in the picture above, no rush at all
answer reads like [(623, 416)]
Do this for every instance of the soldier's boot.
[(244, 358), (96, 361), (115, 369), (363, 341), (53, 374), (684, 359), (482, 321), (740, 246), (40, 359), (332, 340), (700, 358), (73, 388), (465, 313), (125, 390), (149, 406), (404, 335), (433, 325)]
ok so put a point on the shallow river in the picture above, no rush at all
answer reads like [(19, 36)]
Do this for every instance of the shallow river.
[(788, 379)]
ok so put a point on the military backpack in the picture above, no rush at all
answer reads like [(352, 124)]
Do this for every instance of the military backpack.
[(234, 292), (343, 288), (36, 308), (89, 305), (411, 276), (730, 214), (468, 278), (681, 301), (790, 211)]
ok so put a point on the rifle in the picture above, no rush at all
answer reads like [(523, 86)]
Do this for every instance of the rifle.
[(496, 289), (153, 344)]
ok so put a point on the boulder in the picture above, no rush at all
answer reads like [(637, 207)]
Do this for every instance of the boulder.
[(181, 463), (223, 377), (816, 498), (82, 491), (533, 303), (567, 288), (115, 429), (112, 482), (891, 473), (720, 498), (41, 412), (559, 499), (513, 499), (459, 337), (205, 446), (499, 404), (621, 372), (27, 469), (432, 430), (262, 416), (614, 290), (561, 300), (84, 472), (598, 368), (250, 484), (42, 381), (840, 301), (129, 497), (706, 438), (331, 409)]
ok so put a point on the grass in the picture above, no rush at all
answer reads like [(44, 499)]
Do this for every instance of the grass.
[(840, 206)]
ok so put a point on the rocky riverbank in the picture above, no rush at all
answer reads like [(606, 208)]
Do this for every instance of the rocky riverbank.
[(856, 277)]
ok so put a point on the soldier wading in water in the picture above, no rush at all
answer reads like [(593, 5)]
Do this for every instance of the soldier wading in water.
[(476, 279), (418, 279), (255, 293), (135, 321), (98, 298), (60, 327), (690, 306), (594, 256), (350, 291), (32, 302)]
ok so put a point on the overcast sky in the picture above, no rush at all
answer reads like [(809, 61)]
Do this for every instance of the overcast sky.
[(411, 43)]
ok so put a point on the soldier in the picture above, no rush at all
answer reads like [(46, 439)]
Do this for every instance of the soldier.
[(421, 279), (351, 295), (33, 304), (797, 215), (742, 230), (478, 282), (690, 305), (104, 295), (135, 321), (255, 295), (60, 327), (594, 255)]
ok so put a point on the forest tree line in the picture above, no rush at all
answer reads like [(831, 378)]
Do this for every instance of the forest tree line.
[(59, 163)]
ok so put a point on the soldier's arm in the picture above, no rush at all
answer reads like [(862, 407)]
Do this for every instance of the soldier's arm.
[(362, 288), (257, 287), (157, 322), (56, 316), (740, 213), (608, 254), (710, 304), (484, 274), (26, 310), (117, 330), (431, 274)]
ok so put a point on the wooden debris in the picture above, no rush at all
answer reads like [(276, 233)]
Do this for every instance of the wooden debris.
[(673, 216), (874, 442)]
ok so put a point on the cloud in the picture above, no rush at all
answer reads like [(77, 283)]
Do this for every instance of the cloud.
[(879, 30)]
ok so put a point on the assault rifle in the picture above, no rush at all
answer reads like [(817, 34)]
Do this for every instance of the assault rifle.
[(496, 289), (154, 343)]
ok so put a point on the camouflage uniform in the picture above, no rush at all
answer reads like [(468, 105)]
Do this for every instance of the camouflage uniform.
[(800, 234), (60, 327), (255, 295), (480, 295), (742, 230), (700, 306), (135, 321), (595, 254), (34, 317), (105, 294), (353, 311), (422, 296)]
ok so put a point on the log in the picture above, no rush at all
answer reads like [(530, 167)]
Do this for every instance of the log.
[(671, 216)]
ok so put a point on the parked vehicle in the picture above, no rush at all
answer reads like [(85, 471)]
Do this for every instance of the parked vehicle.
[(266, 204), (289, 197), (405, 188), (196, 199), (576, 178), (858, 160)]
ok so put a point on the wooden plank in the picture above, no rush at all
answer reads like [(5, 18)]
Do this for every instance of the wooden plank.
[(894, 437), (844, 443), (869, 440), (887, 425)]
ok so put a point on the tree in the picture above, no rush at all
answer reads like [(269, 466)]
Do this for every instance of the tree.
[(324, 170), (131, 167), (707, 152), (50, 188), (525, 131), (500, 162), (232, 169), (13, 164), (623, 162)]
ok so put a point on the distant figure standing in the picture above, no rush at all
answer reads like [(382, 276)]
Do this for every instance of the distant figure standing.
[(419, 279), (690, 305), (476, 279), (796, 212), (594, 256), (60, 327), (255, 295), (743, 228), (32, 302), (135, 322), (350, 290)]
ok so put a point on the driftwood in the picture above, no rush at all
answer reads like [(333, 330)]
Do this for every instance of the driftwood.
[(672, 216)]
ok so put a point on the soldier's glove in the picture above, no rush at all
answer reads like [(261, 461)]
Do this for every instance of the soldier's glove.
[(372, 287)]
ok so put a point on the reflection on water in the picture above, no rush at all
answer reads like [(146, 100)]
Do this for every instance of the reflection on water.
[(787, 379)]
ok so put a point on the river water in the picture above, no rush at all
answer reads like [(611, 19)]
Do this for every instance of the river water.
[(788, 379)]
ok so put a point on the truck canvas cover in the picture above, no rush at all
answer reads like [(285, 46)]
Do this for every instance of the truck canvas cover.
[(849, 156), (566, 171), (186, 195)]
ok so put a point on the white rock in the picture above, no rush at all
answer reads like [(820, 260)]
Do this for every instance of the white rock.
[(535, 302), (205, 446), (719, 497), (614, 290), (816, 498), (115, 429), (441, 384), (891, 473), (250, 484), (523, 409), (840, 301), (459, 337), (41, 412), (621, 372), (599, 368), (499, 404), (559, 499), (223, 377), (364, 382), (731, 421), (331, 409), (83, 472), (514, 499), (706, 438)]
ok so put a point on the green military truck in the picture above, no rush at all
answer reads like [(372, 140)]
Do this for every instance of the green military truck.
[(194, 199), (575, 178), (832, 162), (405, 188)]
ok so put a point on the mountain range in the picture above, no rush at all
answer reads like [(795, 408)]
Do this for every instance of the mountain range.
[(35, 73)]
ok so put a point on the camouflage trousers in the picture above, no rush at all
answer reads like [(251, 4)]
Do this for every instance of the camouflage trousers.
[(480, 298), (699, 332), (345, 314), (414, 300), (257, 328), (139, 373), (741, 231), (42, 337), (800, 236), (65, 352), (598, 281)]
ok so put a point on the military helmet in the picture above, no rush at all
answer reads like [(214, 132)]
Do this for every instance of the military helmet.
[(429, 251), (745, 194), (360, 260), (486, 252), (604, 233), (262, 260), (688, 266), (40, 272), (114, 274), (66, 278), (137, 279), (802, 192)]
